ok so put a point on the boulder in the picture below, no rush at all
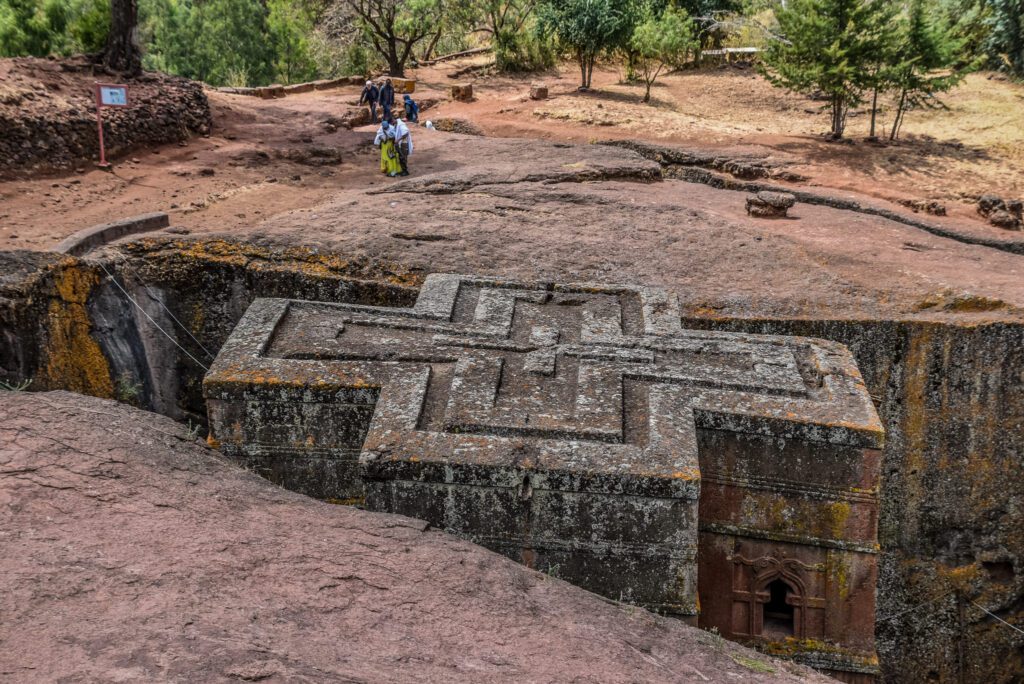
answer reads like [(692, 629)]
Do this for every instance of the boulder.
[(539, 91), (1004, 219), (1007, 214), (767, 204), (462, 92)]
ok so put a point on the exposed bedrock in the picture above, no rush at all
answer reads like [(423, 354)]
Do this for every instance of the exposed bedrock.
[(133, 552), (949, 394)]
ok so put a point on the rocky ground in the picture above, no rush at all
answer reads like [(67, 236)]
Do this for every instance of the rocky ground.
[(135, 553)]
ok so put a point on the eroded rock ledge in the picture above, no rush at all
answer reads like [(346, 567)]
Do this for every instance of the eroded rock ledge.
[(134, 552)]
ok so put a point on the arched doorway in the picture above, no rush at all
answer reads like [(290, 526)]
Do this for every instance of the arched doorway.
[(778, 614)]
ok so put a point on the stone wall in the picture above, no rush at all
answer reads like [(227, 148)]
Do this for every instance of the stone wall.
[(952, 490), (48, 115)]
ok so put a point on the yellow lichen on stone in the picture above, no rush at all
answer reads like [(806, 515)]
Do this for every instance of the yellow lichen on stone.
[(839, 575), (72, 358)]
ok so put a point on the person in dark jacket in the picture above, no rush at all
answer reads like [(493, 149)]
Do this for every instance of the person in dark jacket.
[(370, 96), (387, 98), (412, 110)]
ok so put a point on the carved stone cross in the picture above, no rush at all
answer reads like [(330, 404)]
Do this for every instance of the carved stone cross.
[(567, 426)]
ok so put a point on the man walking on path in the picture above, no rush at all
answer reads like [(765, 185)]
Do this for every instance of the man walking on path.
[(387, 98), (371, 95), (403, 142)]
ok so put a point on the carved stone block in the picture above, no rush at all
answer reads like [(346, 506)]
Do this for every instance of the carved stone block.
[(570, 427)]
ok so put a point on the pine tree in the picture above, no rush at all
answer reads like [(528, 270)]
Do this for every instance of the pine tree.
[(830, 47), (1006, 40), (924, 62)]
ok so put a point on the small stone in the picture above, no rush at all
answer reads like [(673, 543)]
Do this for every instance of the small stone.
[(538, 91), (206, 171), (1004, 219), (990, 203)]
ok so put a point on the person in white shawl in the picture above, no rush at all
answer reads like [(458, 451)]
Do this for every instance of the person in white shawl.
[(403, 142)]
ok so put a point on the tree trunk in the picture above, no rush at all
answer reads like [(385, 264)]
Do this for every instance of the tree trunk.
[(122, 52), (583, 69), (874, 112), (838, 116), (899, 115), (431, 47), (396, 66), (647, 93)]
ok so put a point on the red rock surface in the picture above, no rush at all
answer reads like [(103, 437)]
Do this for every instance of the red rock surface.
[(131, 552)]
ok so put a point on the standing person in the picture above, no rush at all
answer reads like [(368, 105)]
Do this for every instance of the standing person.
[(389, 159), (412, 110), (403, 143), (387, 99), (371, 95)]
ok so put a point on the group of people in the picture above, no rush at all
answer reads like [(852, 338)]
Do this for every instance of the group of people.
[(393, 136), (385, 96)]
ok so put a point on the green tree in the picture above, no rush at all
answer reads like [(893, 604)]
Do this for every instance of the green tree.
[(829, 48), (509, 25), (925, 61), (991, 29), (1005, 44), (585, 28), (216, 41), (58, 27), (660, 41), (89, 25), (31, 27), (289, 26), (395, 27)]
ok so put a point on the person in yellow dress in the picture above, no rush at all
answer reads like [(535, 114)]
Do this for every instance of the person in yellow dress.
[(390, 165)]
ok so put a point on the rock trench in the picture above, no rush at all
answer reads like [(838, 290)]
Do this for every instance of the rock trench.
[(948, 393)]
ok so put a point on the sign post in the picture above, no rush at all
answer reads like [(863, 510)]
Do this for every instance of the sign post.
[(108, 95)]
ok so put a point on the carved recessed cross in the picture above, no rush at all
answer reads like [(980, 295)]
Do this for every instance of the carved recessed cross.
[(558, 422)]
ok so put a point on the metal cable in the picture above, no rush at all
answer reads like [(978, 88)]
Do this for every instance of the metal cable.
[(166, 310), (157, 325)]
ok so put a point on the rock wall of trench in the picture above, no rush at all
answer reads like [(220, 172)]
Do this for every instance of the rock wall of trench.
[(952, 399), (97, 326), (950, 396)]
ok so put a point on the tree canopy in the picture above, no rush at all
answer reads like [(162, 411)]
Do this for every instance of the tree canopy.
[(829, 47), (585, 28), (832, 47), (660, 41)]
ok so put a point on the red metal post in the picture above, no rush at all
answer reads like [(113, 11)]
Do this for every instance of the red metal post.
[(99, 126)]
